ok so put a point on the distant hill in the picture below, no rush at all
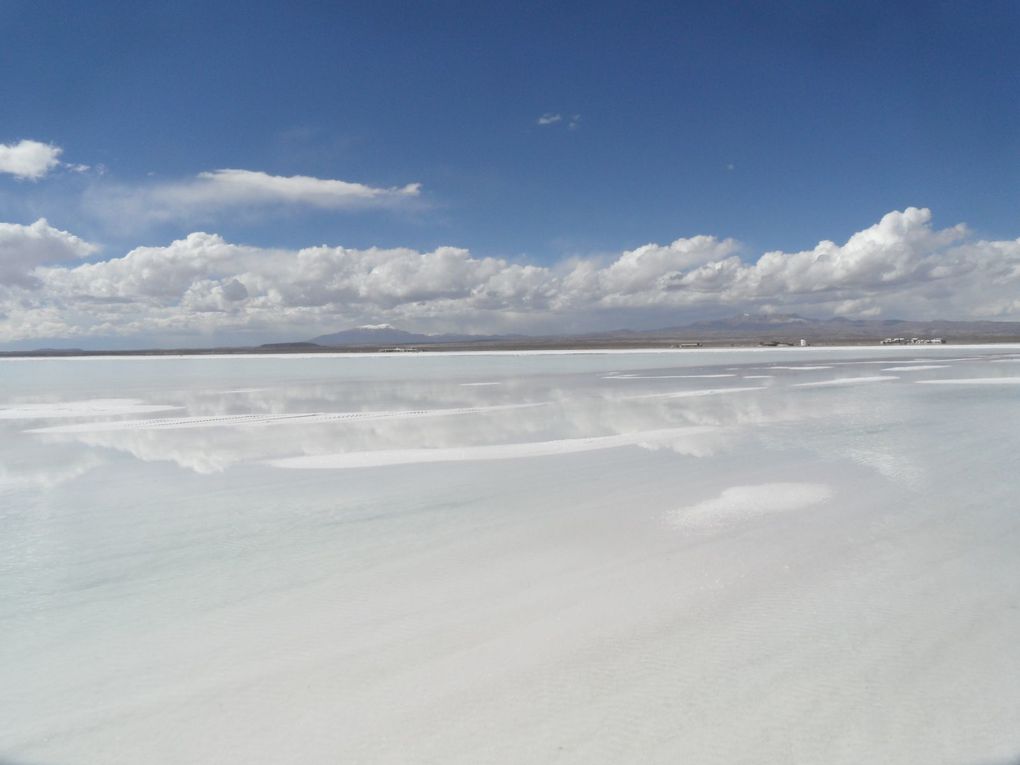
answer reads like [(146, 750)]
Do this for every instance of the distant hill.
[(377, 335), (740, 329), (755, 321), (789, 326)]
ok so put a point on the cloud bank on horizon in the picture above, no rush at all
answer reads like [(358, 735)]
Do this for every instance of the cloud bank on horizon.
[(203, 286)]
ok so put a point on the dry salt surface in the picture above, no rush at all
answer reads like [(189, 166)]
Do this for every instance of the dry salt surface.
[(915, 368), (846, 381), (86, 408), (667, 377), (696, 393), (738, 503), (606, 558), (383, 457), (256, 420), (975, 381), (804, 368)]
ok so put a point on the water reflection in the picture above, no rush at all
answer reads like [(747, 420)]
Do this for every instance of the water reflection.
[(215, 434), (213, 429)]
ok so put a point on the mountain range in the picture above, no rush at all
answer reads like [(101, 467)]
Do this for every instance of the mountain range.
[(744, 328), (387, 334)]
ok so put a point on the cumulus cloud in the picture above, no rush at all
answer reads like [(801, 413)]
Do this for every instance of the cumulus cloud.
[(549, 118), (24, 248), (217, 191), (900, 266), (28, 160)]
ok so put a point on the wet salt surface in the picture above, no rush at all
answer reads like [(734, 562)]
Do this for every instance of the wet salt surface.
[(665, 566)]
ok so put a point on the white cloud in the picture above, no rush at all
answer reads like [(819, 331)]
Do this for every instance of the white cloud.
[(571, 121), (24, 248), (229, 187), (216, 191), (29, 160), (901, 266)]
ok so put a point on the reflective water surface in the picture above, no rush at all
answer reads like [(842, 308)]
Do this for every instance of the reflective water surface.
[(799, 555)]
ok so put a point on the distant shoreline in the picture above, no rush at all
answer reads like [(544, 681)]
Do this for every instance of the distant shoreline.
[(535, 348)]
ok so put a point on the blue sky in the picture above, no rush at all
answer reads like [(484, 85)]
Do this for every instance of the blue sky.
[(776, 124)]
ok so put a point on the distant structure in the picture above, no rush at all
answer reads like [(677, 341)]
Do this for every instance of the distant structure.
[(913, 341), (687, 345), (803, 343)]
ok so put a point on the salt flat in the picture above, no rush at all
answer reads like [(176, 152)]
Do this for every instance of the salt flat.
[(507, 558)]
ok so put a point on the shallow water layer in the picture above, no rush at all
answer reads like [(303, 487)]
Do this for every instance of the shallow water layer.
[(800, 555)]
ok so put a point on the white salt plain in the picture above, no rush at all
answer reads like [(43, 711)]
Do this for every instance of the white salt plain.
[(620, 557)]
